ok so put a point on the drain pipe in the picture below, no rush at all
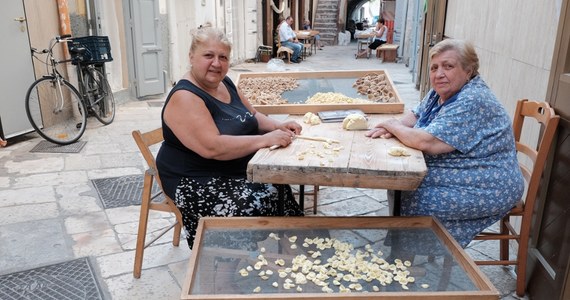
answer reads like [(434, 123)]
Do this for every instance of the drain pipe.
[(88, 15), (172, 45), (65, 28), (63, 17)]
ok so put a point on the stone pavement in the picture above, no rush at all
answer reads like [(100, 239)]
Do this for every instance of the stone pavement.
[(51, 212)]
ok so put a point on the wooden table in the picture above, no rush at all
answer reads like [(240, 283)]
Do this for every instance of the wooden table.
[(308, 37), (363, 40), (362, 162)]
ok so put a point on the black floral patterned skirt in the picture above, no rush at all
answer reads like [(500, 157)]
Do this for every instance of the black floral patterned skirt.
[(228, 197)]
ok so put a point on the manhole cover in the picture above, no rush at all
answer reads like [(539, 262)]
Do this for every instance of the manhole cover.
[(68, 280), (48, 147), (122, 191)]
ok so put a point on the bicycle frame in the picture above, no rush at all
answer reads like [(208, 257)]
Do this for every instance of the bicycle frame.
[(51, 68), (81, 70)]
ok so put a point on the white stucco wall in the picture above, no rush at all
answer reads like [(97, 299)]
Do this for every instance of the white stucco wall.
[(514, 40), (185, 16)]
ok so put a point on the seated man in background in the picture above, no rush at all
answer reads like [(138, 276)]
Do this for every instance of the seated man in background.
[(288, 38)]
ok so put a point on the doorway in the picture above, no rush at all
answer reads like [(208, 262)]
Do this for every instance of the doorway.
[(144, 42), (16, 58)]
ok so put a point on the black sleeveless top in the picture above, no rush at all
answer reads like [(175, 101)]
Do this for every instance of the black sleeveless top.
[(175, 161)]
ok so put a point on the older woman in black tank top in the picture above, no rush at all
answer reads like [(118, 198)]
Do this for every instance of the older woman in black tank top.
[(210, 133)]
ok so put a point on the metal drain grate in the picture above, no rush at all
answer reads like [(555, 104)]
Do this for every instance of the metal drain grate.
[(68, 280), (48, 147), (122, 191)]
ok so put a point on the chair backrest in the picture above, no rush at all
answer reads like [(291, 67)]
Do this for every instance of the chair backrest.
[(144, 142), (278, 38), (150, 200), (533, 158)]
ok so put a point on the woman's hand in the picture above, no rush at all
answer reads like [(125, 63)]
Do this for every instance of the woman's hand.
[(290, 126), (380, 131), (279, 137)]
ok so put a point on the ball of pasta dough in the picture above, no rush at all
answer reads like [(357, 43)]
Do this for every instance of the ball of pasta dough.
[(311, 118), (355, 122)]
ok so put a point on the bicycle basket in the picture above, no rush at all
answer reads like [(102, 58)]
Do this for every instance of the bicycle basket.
[(98, 49)]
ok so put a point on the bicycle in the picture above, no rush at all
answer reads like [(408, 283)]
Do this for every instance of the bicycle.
[(55, 108)]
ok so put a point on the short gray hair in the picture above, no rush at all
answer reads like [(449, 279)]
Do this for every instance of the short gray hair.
[(205, 33), (467, 55)]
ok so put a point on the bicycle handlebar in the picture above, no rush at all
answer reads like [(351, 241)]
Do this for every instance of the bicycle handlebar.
[(66, 38), (34, 50), (63, 38)]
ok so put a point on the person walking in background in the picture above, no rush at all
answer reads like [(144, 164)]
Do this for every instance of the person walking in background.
[(466, 135), (288, 38), (380, 33), (211, 132)]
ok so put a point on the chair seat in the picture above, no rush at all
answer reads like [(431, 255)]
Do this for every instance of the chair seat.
[(286, 50), (518, 209)]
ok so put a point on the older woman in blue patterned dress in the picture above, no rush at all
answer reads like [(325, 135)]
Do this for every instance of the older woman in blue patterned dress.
[(473, 176)]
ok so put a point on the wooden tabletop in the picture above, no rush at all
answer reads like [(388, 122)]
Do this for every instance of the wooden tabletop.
[(365, 35), (356, 161), (306, 33)]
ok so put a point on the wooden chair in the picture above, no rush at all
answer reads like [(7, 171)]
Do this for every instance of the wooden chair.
[(314, 193), (144, 141), (532, 161), (282, 50), (308, 43)]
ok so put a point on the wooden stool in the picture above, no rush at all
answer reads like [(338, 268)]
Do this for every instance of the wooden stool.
[(388, 52)]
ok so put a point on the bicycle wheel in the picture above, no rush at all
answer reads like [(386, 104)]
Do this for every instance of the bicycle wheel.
[(99, 95), (55, 110)]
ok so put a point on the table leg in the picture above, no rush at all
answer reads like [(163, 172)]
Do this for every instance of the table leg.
[(397, 202), (314, 44), (302, 197), (280, 199)]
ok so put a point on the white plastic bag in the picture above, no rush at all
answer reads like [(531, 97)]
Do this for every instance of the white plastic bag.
[(276, 65), (343, 38)]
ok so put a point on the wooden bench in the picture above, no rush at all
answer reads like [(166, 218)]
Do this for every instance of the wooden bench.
[(388, 52)]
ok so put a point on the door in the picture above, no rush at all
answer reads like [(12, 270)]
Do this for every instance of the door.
[(228, 16), (15, 58), (242, 28), (250, 28), (434, 24), (147, 47), (549, 253)]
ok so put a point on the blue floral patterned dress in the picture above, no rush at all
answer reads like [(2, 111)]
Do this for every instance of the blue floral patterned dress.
[(475, 185)]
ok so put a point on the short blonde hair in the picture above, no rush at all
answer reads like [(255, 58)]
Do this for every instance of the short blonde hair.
[(467, 55), (205, 33)]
